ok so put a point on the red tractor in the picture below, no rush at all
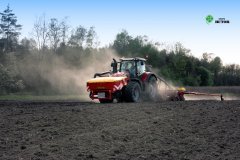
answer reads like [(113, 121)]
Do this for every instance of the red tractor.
[(130, 80)]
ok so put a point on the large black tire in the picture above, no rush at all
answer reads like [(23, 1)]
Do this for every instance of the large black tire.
[(105, 100), (152, 89), (132, 92)]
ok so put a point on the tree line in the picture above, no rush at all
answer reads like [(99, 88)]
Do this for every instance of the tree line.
[(178, 64), (51, 38)]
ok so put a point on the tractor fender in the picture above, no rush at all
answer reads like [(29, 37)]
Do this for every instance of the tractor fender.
[(146, 76), (152, 75)]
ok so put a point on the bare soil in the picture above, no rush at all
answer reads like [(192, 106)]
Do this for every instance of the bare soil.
[(85, 130)]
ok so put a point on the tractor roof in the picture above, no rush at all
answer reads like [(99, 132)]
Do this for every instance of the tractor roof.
[(133, 59)]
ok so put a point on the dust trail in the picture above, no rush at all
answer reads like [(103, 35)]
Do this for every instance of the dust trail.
[(165, 88), (39, 71)]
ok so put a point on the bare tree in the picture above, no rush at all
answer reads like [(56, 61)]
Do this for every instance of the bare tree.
[(91, 36), (78, 36), (54, 33), (37, 33), (64, 29), (40, 32), (58, 31), (44, 31)]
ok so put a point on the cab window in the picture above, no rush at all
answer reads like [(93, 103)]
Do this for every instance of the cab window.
[(141, 67)]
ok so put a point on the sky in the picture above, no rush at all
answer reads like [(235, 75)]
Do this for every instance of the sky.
[(164, 21)]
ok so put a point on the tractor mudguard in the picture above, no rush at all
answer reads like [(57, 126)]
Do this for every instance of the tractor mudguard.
[(146, 76)]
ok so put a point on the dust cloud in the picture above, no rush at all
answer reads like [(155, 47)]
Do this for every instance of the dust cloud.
[(51, 70), (165, 88)]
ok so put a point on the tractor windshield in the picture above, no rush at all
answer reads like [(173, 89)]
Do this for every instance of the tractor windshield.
[(128, 66)]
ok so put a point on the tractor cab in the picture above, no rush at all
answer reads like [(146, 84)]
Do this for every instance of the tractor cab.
[(132, 66)]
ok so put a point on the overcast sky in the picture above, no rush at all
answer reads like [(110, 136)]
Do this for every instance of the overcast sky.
[(166, 21)]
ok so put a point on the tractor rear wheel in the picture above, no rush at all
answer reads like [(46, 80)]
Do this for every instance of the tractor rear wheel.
[(152, 89), (132, 92)]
